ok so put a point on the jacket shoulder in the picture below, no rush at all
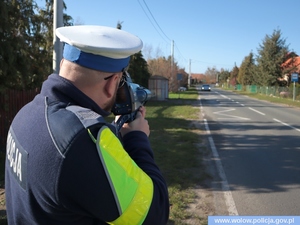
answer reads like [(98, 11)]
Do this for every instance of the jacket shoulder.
[(66, 123)]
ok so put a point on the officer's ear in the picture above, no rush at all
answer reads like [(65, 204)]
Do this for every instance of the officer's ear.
[(61, 62), (111, 85)]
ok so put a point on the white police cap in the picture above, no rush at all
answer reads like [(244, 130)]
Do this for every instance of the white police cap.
[(98, 47)]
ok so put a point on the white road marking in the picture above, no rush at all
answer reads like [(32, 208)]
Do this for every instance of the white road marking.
[(231, 207), (224, 96), (295, 128), (229, 201), (223, 113), (257, 111)]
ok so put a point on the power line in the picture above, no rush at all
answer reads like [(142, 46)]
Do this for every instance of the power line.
[(151, 22), (157, 25), (155, 20), (160, 32), (180, 52)]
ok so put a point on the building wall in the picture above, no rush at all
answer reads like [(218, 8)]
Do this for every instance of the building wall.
[(159, 88)]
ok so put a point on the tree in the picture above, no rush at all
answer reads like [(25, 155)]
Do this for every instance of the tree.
[(45, 29), (6, 53), (246, 71), (223, 76), (211, 75), (26, 43), (16, 43), (162, 66), (234, 75), (272, 53), (138, 69)]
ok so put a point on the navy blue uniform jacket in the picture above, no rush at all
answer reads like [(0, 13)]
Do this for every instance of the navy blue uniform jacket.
[(62, 185)]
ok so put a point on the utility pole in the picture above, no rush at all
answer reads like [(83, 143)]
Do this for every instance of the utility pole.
[(172, 65), (57, 22), (190, 74)]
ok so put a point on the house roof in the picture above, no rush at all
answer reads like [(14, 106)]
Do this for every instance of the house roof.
[(198, 76), (157, 77), (292, 62)]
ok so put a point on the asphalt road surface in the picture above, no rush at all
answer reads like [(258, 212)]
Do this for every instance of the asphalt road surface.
[(259, 147)]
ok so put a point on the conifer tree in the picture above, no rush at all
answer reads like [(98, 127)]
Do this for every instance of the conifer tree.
[(246, 71), (138, 69), (26, 43), (223, 76), (272, 53), (16, 43)]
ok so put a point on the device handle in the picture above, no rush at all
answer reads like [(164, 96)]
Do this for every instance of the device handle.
[(125, 119)]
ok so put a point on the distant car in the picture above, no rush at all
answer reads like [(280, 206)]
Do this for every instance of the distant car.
[(182, 89), (205, 87)]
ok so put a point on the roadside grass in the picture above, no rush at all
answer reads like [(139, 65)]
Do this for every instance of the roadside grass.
[(175, 141), (178, 150), (3, 219), (273, 99)]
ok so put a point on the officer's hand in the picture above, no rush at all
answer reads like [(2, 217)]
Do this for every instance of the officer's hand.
[(139, 124)]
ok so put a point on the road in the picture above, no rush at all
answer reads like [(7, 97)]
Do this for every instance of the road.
[(258, 144)]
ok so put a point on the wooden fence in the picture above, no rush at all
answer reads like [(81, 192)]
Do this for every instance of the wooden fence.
[(11, 101)]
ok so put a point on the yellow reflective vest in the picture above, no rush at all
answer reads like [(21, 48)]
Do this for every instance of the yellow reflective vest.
[(131, 186)]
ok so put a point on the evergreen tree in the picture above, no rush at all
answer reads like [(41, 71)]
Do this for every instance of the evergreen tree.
[(6, 52), (246, 71), (138, 70), (26, 43), (223, 76), (272, 53), (45, 29), (17, 47)]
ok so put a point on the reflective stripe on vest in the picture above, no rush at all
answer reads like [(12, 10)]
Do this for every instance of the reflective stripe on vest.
[(132, 187)]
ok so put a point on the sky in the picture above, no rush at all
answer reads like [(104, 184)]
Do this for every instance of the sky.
[(200, 33)]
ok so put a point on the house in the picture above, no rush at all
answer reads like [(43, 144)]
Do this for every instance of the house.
[(291, 65), (197, 78)]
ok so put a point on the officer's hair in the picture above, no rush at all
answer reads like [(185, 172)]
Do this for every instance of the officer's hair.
[(73, 71)]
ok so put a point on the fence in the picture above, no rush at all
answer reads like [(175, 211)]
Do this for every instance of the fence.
[(283, 92), (11, 101)]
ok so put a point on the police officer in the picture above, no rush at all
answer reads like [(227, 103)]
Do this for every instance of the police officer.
[(65, 163)]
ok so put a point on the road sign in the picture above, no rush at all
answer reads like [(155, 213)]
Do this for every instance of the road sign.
[(294, 77)]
